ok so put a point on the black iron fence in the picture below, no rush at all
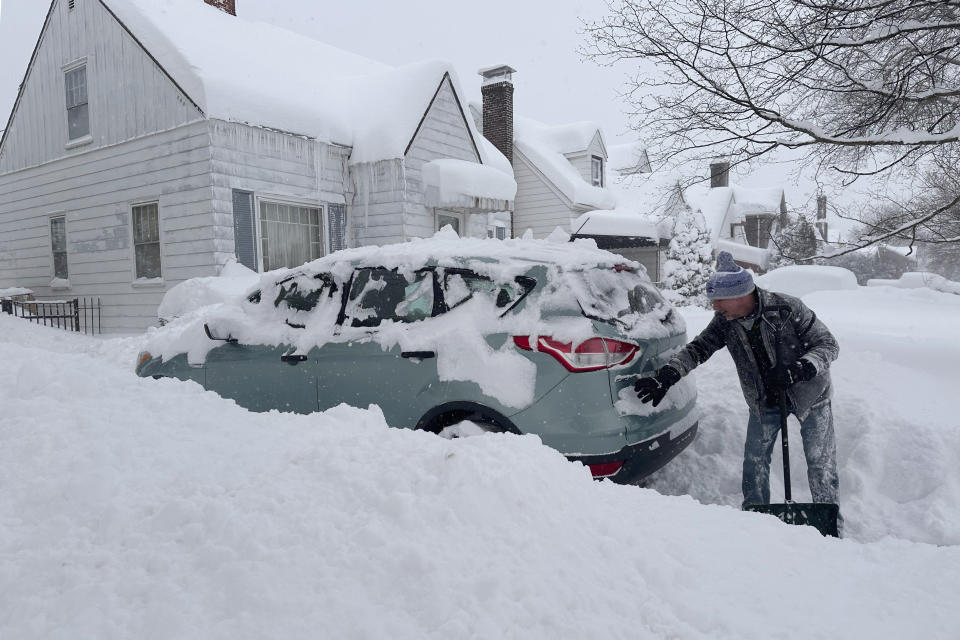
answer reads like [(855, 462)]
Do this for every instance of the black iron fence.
[(80, 314)]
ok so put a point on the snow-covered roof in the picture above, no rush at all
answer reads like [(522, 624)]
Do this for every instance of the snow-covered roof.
[(628, 157), (712, 203), (10, 292), (615, 223), (546, 147), (263, 75), (744, 252), (457, 183)]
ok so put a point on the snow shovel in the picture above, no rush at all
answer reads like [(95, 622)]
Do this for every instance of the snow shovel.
[(820, 515)]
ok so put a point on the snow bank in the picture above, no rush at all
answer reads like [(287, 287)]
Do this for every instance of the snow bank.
[(234, 281), (917, 279), (799, 280), (163, 511)]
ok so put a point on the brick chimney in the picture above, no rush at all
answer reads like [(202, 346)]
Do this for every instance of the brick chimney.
[(497, 91), (821, 223), (230, 6), (719, 174)]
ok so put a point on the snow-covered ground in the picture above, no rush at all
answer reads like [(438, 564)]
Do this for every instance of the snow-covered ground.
[(135, 508)]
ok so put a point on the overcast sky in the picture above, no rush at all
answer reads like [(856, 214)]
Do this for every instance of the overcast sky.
[(538, 38)]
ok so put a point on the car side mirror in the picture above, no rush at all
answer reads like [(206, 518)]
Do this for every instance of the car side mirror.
[(229, 339)]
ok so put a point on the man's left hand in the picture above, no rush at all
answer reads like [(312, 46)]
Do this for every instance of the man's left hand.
[(799, 371)]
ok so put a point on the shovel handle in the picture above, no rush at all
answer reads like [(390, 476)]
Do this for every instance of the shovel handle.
[(786, 445)]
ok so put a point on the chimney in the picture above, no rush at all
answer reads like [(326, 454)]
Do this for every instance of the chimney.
[(719, 174), (229, 6), (497, 91), (821, 223)]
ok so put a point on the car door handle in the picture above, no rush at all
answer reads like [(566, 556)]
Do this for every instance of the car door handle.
[(293, 358), (421, 355)]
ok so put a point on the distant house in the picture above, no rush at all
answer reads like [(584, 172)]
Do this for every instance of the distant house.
[(142, 151), (741, 220)]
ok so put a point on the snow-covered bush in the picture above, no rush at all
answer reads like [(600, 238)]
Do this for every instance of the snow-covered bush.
[(689, 261)]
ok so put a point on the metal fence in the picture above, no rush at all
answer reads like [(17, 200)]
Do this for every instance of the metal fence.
[(80, 314)]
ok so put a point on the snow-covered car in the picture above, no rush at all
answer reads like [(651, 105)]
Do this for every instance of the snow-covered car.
[(522, 336)]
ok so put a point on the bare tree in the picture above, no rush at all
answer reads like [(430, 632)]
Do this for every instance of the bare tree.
[(869, 87)]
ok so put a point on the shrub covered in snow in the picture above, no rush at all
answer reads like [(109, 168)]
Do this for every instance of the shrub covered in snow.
[(689, 261)]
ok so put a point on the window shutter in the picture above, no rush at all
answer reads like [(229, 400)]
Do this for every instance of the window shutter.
[(243, 231), (337, 226)]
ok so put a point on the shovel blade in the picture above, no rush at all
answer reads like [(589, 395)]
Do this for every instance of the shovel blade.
[(820, 515)]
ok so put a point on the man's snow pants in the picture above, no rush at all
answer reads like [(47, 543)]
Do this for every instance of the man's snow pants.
[(819, 446)]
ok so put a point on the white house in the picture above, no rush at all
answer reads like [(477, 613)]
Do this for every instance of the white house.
[(741, 220), (141, 152)]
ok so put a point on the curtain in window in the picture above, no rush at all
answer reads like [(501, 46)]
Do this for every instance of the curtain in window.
[(290, 235)]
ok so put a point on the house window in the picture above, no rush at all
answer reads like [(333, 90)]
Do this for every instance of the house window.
[(449, 218), (290, 235), (596, 171), (58, 245), (78, 117), (146, 240)]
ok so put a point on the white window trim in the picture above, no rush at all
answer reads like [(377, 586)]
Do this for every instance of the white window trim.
[(288, 200), (603, 182), (74, 64), (63, 285), (146, 283), (64, 70)]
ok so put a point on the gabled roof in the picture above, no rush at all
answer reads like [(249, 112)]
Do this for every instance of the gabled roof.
[(260, 74), (628, 158), (547, 148)]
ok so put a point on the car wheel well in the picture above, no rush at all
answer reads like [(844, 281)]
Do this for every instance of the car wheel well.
[(451, 413)]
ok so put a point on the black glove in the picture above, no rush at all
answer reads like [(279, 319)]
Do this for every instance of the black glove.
[(656, 387), (784, 377)]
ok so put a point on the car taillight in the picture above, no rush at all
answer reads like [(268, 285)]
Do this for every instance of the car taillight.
[(590, 355), (605, 469)]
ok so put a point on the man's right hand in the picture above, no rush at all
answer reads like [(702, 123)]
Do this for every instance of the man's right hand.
[(655, 388)]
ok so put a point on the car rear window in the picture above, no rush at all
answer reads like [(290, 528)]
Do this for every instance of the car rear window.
[(615, 294)]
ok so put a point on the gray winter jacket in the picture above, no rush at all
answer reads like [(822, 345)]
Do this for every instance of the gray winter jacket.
[(801, 334)]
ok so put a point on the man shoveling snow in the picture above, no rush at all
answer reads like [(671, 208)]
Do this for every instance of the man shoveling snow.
[(779, 346)]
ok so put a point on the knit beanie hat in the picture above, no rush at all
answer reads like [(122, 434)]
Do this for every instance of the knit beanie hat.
[(730, 280)]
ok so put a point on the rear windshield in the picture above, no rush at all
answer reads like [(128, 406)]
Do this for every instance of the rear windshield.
[(615, 294)]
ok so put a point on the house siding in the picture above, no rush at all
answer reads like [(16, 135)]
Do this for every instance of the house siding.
[(95, 191), (442, 134), (273, 165), (537, 207), (128, 94)]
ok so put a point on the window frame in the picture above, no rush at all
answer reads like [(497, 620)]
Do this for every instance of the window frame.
[(53, 217), (596, 162), (290, 201), (137, 278), (72, 68)]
